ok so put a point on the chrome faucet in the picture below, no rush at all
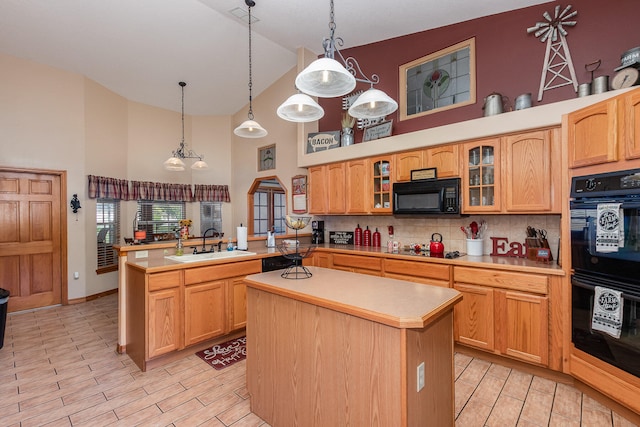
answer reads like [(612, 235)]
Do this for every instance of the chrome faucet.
[(204, 240)]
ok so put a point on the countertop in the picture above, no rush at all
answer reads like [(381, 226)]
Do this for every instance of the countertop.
[(395, 303), (159, 263)]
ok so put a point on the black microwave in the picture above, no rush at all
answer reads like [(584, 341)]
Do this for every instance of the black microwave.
[(427, 197)]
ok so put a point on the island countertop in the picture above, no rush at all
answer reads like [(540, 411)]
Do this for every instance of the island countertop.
[(395, 303)]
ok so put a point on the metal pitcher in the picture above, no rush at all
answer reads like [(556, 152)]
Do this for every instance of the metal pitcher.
[(523, 101), (494, 104)]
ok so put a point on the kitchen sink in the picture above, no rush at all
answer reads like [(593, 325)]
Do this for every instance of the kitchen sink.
[(209, 256)]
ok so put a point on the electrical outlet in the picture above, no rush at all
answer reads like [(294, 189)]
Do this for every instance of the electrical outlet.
[(420, 376), (142, 254)]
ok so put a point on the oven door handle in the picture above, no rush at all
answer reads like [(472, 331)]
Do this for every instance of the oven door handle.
[(581, 284)]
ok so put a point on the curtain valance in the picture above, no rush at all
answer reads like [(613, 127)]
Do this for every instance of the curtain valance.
[(211, 193), (108, 188)]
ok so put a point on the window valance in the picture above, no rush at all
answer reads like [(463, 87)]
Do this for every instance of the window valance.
[(113, 188), (212, 193), (101, 187)]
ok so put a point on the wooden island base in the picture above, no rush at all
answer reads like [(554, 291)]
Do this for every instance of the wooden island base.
[(316, 361)]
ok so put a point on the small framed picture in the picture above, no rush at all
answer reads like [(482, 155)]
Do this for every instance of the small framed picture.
[(267, 157)]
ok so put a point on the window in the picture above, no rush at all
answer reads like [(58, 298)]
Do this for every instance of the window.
[(108, 233), (159, 217), (269, 206), (210, 216)]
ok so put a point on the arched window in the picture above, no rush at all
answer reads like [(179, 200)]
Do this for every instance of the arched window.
[(267, 205)]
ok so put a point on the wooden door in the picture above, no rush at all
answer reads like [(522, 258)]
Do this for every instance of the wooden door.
[(406, 162), (631, 125), (238, 305), (317, 188), (528, 172), (445, 159), (205, 314), (336, 200), (481, 176), (592, 134), (164, 322), (32, 242), (473, 316), (357, 187)]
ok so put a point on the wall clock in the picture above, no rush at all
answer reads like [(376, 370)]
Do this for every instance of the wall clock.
[(626, 77)]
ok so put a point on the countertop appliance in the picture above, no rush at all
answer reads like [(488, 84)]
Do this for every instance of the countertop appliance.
[(317, 232), (427, 197), (605, 253)]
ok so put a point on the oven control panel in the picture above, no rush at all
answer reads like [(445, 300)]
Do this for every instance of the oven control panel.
[(606, 184)]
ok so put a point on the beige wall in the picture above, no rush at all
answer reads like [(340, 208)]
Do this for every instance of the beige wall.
[(54, 119)]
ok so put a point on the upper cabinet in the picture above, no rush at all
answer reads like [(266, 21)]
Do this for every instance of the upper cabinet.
[(357, 189), (517, 173), (532, 172), (336, 199), (592, 134), (381, 184), (444, 158), (631, 125), (481, 178), (317, 188)]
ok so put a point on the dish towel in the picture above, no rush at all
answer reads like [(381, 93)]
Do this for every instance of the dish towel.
[(610, 227), (607, 311)]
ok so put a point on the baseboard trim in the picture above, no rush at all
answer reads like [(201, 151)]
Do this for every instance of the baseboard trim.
[(92, 297)]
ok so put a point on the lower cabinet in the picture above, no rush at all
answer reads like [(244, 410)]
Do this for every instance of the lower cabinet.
[(357, 264), (169, 311), (419, 272), (164, 322), (205, 315), (504, 313)]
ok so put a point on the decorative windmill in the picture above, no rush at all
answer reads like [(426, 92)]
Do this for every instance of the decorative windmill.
[(557, 59)]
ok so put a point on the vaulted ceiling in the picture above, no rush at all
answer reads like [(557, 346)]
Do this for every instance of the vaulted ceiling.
[(141, 49)]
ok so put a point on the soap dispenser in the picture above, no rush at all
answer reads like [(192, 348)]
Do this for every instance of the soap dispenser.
[(179, 248), (271, 238)]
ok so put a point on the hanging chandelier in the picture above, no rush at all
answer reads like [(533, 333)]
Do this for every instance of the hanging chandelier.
[(250, 128), (328, 78), (175, 162)]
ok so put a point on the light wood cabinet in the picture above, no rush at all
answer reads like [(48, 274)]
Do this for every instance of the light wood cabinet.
[(205, 314), (407, 161), (357, 189), (444, 158), (419, 272), (237, 304), (357, 264), (482, 176), (631, 125), (336, 198), (531, 173), (381, 188), (317, 189), (503, 312), (164, 322), (593, 135)]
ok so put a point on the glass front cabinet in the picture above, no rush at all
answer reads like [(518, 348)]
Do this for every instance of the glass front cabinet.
[(481, 181), (382, 184)]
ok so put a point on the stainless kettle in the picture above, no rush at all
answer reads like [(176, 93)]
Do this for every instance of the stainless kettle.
[(494, 104)]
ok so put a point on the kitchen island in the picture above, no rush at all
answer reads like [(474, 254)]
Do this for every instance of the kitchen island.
[(343, 348)]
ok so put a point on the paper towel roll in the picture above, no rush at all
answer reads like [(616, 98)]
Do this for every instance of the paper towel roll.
[(241, 233)]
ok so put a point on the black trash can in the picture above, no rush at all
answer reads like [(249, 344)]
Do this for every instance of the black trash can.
[(4, 300)]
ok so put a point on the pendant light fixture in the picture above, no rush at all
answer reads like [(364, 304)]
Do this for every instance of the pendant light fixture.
[(300, 108), (250, 128), (328, 78), (175, 162)]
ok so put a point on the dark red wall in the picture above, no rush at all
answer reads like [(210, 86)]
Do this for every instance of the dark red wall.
[(508, 60)]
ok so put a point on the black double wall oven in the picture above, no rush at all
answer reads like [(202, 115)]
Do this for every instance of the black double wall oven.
[(605, 253)]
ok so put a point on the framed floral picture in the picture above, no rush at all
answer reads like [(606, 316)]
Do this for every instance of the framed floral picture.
[(440, 81), (267, 157)]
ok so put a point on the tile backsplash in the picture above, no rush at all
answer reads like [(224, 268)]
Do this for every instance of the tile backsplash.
[(419, 230)]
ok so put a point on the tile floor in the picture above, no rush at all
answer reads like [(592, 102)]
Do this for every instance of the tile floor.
[(58, 367)]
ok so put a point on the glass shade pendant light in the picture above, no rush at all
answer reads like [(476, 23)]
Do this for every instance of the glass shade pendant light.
[(175, 163), (250, 128), (300, 108), (372, 104), (328, 78)]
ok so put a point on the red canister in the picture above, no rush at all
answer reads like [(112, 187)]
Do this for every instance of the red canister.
[(376, 238), (357, 236), (366, 238)]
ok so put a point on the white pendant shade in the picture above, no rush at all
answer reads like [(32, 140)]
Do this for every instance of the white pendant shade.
[(250, 129), (174, 164), (300, 108), (326, 78), (199, 165), (372, 104)]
